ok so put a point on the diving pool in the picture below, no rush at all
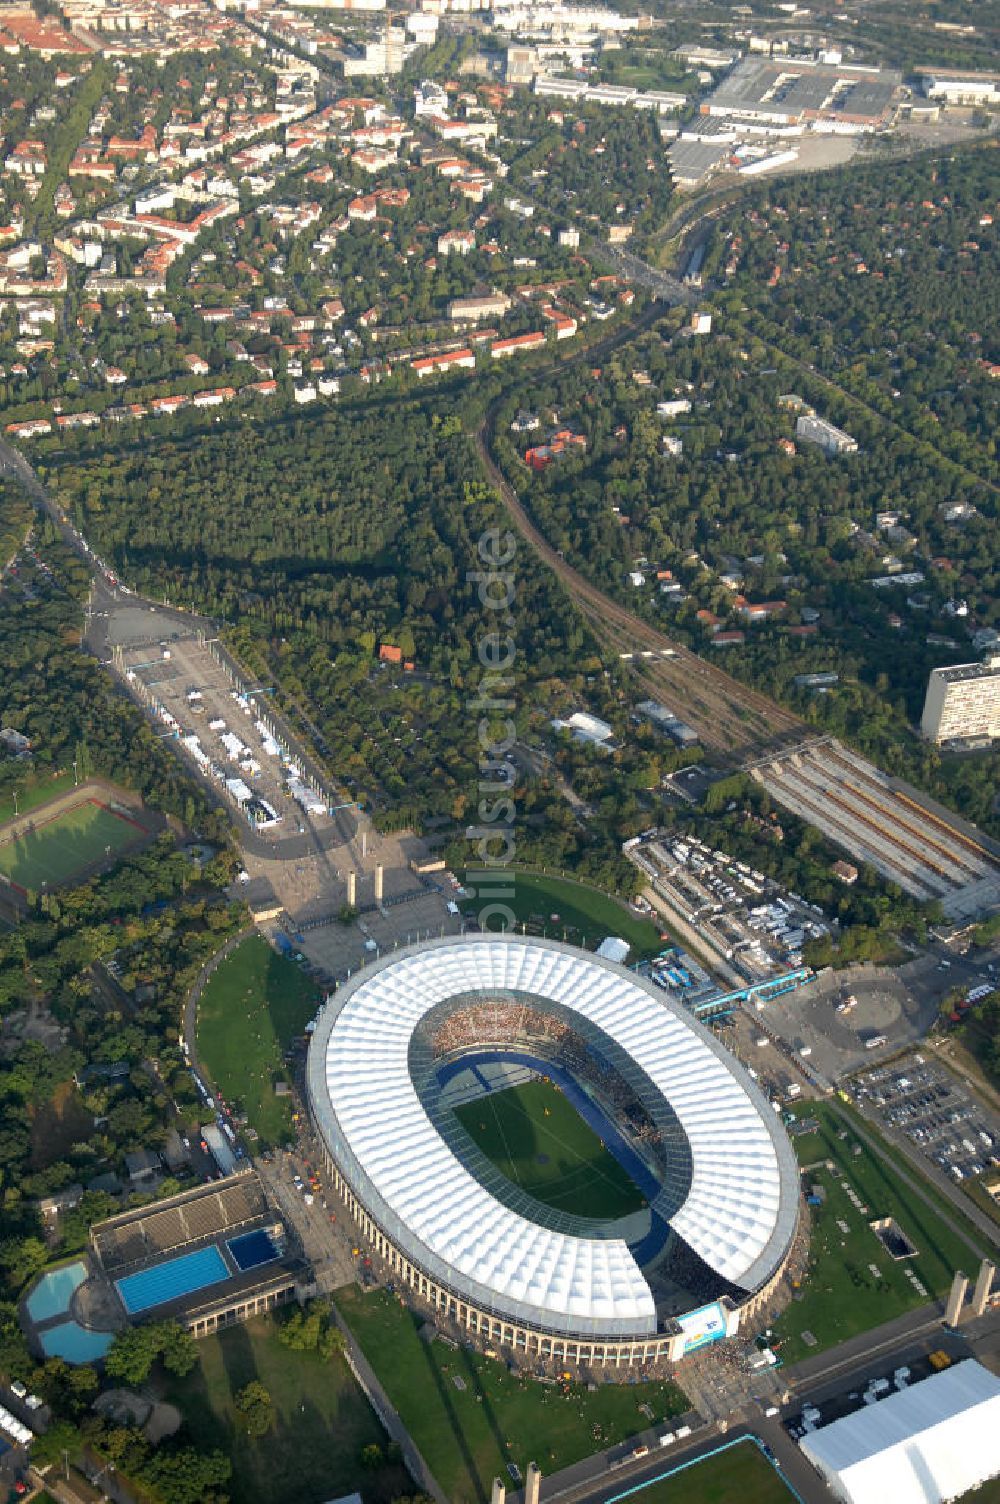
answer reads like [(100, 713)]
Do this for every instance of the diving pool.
[(70, 1340), (181, 1276), (251, 1249), (54, 1291)]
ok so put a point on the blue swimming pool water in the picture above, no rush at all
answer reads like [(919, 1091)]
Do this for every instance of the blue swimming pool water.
[(54, 1291), (181, 1276), (251, 1249), (73, 1342)]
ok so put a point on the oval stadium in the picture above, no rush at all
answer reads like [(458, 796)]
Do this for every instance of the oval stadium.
[(549, 1153)]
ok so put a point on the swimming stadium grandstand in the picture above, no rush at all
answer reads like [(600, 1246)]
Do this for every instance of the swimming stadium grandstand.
[(678, 1113), (208, 1257)]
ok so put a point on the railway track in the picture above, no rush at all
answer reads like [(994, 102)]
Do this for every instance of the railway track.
[(732, 720)]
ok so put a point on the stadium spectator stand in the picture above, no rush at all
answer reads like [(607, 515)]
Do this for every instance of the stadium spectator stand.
[(220, 1209)]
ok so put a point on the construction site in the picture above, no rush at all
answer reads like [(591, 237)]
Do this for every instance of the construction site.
[(927, 851)]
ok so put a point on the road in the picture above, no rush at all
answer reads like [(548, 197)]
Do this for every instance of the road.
[(603, 1478), (152, 622), (661, 284)]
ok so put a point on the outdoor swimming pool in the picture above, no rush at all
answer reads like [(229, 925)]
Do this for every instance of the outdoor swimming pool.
[(54, 1291), (252, 1249), (70, 1340), (181, 1276)]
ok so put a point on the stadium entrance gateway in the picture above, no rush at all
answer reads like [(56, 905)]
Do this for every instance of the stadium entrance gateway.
[(545, 1284), (702, 1328)]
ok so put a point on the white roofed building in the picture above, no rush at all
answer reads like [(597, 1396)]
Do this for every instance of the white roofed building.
[(929, 1443), (725, 1197)]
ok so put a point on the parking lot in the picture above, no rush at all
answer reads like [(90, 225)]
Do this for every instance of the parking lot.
[(744, 917), (841, 1036), (918, 1097)]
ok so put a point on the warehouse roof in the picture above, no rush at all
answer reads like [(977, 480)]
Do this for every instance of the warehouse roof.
[(739, 1211), (928, 1443)]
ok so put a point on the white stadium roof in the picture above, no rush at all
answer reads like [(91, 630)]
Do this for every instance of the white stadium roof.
[(928, 1443), (739, 1211)]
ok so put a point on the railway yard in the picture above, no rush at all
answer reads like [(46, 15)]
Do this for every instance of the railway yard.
[(731, 719), (877, 820)]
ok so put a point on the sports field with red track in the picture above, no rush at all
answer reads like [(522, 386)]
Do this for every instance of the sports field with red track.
[(52, 848)]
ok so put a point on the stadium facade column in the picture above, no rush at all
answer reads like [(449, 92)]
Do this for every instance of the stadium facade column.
[(984, 1285), (956, 1299), (532, 1484), (499, 1494)]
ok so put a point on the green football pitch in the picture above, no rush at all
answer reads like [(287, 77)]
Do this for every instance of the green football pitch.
[(535, 1138), (57, 850)]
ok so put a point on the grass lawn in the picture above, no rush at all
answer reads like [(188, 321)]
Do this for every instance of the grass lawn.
[(322, 1421), (62, 847), (841, 1296), (35, 794), (470, 1417), (566, 910), (740, 1473), (250, 1011), (535, 1138), (977, 1192)]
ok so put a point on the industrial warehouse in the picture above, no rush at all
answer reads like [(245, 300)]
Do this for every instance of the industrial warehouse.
[(793, 94), (683, 1117)]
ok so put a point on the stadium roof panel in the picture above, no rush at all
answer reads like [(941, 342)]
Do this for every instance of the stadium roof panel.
[(739, 1213)]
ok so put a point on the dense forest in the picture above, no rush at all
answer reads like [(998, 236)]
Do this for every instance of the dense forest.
[(92, 982), (887, 285), (320, 540)]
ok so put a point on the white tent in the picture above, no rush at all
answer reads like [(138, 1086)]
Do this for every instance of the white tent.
[(614, 949), (926, 1444)]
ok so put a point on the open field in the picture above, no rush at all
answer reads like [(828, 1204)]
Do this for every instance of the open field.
[(977, 1192), (56, 850), (535, 1138), (249, 1012), (574, 912), (741, 1472), (853, 1282), (470, 1417), (322, 1420), (36, 793)]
